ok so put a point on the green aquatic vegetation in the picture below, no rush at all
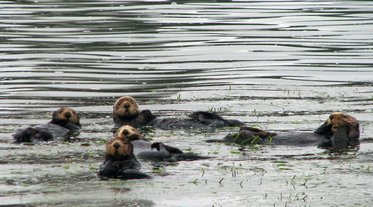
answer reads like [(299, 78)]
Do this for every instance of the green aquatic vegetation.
[(284, 168), (189, 149), (235, 152), (215, 151), (255, 140), (205, 164), (66, 166), (195, 182), (92, 168), (18, 172), (279, 161), (85, 144), (270, 139), (368, 168), (221, 181), (282, 165), (158, 170), (258, 170), (203, 171)]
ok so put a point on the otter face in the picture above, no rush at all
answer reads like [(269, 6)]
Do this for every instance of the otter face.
[(338, 119), (334, 121), (128, 132), (125, 108), (66, 115), (118, 149)]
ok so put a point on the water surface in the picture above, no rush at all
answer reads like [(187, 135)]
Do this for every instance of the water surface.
[(280, 65)]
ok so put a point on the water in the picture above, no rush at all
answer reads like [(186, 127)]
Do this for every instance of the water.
[(281, 65)]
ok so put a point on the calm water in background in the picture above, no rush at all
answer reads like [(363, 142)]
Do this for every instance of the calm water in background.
[(283, 65)]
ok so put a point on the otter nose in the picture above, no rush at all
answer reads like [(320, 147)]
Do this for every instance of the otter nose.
[(125, 132), (68, 115), (116, 145), (126, 105)]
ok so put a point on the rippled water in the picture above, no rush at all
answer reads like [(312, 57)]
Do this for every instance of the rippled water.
[(283, 65)]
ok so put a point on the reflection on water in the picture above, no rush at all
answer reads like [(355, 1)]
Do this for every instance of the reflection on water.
[(103, 49), (278, 64)]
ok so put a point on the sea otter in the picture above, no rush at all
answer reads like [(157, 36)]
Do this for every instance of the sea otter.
[(126, 111), (64, 123), (144, 149), (339, 131), (120, 162)]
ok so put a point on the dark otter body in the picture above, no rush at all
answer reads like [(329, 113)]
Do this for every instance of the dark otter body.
[(247, 137), (126, 112), (120, 162), (197, 120), (144, 150), (339, 132), (122, 169), (65, 123)]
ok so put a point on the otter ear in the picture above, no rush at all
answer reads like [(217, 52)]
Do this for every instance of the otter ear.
[(55, 113)]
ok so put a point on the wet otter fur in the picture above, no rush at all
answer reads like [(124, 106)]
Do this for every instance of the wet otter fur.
[(65, 123), (339, 131), (144, 149), (126, 112), (120, 162)]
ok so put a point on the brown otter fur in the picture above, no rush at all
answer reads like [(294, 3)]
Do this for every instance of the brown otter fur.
[(339, 131), (128, 132), (126, 111), (120, 162), (65, 115), (118, 149), (65, 123)]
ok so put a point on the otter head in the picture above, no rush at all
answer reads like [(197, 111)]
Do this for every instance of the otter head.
[(128, 132), (125, 108), (67, 118), (335, 121), (118, 149)]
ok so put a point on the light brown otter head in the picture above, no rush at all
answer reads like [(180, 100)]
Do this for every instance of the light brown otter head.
[(66, 117), (128, 132), (125, 108), (338, 119), (118, 149)]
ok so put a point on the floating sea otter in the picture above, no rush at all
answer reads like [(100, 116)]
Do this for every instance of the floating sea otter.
[(65, 123), (144, 149), (339, 131), (126, 111), (120, 162)]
